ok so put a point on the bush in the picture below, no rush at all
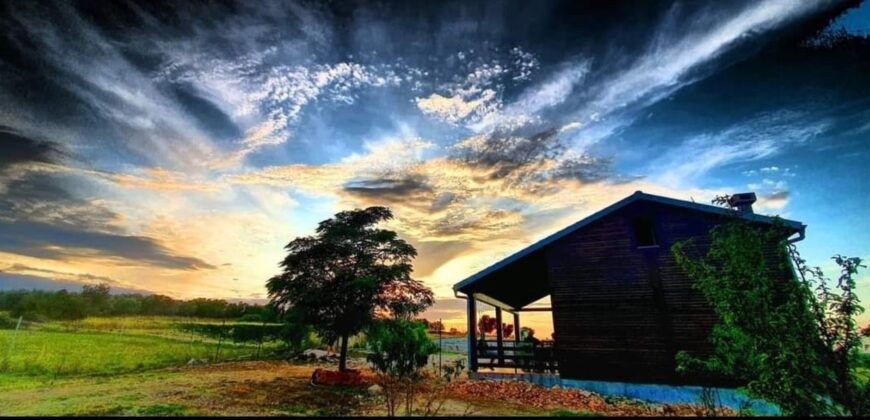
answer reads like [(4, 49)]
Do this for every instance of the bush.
[(399, 350), (7, 322), (250, 318), (237, 333), (97, 300), (792, 341)]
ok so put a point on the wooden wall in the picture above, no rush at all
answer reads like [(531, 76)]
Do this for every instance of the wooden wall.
[(621, 313)]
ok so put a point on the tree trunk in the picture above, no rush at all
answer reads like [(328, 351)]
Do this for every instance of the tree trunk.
[(342, 359)]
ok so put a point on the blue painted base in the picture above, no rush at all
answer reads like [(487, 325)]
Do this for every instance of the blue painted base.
[(663, 394)]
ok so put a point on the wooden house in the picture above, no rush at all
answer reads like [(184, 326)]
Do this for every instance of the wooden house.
[(621, 308)]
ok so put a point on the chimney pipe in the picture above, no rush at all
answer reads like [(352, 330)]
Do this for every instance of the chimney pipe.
[(742, 201)]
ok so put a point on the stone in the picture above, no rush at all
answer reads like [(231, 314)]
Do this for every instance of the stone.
[(315, 354), (375, 389)]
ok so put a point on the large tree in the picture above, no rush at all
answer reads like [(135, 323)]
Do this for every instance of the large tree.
[(339, 279)]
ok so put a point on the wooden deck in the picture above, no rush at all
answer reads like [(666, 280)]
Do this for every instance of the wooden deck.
[(522, 356)]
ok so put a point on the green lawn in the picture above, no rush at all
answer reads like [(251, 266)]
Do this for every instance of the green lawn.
[(159, 326), (105, 346)]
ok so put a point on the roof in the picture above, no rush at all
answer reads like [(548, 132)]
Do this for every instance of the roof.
[(637, 196)]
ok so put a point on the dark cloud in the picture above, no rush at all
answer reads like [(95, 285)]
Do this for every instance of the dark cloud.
[(437, 253), (777, 196), (443, 200), (45, 198), (17, 148), (29, 282), (208, 116), (54, 242), (389, 187), (538, 157), (509, 151), (40, 217), (84, 277)]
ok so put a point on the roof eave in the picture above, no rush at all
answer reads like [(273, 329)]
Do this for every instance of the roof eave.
[(638, 195)]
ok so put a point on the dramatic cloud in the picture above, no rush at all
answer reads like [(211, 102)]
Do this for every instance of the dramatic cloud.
[(182, 158), (51, 242), (15, 148)]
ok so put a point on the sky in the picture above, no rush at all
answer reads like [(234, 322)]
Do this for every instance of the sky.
[(175, 148)]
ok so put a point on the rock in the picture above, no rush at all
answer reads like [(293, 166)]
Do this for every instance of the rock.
[(375, 389), (315, 354), (556, 387)]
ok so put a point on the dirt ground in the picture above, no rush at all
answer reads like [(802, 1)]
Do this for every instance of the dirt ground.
[(271, 388)]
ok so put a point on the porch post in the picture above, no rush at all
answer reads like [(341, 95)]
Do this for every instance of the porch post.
[(517, 362), (499, 335), (472, 339)]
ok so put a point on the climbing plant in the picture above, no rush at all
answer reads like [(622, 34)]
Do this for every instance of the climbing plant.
[(783, 330)]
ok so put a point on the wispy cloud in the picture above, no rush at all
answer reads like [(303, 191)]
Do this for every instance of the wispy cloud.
[(748, 141), (454, 109), (527, 108)]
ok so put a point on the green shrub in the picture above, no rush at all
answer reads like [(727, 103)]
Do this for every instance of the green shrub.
[(251, 318), (7, 322), (781, 331), (237, 333), (400, 348)]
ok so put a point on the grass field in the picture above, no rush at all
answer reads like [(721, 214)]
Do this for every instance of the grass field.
[(158, 326), (139, 366), (110, 346), (64, 353)]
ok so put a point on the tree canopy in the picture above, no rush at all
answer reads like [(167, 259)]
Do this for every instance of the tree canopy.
[(341, 278)]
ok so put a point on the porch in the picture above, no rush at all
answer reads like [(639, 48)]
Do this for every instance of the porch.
[(512, 287), (519, 356), (506, 353)]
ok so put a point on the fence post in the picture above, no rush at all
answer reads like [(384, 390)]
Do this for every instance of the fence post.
[(217, 351), (11, 348), (440, 327), (260, 345)]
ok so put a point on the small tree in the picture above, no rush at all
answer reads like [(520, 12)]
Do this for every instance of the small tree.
[(399, 350), (96, 298), (507, 329), (337, 280), (436, 327), (789, 345), (486, 325)]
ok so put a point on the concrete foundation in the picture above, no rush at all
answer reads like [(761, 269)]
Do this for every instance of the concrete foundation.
[(662, 394)]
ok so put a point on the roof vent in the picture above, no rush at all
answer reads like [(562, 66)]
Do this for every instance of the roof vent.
[(742, 201)]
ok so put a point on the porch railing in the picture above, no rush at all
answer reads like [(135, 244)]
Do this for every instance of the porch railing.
[(523, 355)]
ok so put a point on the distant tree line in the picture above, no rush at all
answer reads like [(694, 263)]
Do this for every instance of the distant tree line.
[(97, 300)]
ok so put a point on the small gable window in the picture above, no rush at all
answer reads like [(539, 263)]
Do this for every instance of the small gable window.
[(643, 232)]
